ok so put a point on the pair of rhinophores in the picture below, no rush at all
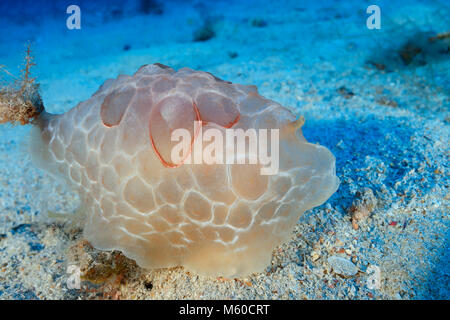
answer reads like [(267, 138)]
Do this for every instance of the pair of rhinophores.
[(114, 149)]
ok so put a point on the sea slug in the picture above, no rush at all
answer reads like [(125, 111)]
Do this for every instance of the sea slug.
[(219, 219)]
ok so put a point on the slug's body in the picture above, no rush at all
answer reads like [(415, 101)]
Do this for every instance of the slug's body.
[(214, 219)]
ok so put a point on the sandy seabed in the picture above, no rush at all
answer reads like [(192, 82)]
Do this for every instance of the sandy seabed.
[(380, 105)]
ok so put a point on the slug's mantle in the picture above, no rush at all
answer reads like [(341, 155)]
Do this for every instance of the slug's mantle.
[(221, 219)]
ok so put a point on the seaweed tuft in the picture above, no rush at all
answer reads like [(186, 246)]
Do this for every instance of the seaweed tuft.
[(20, 101)]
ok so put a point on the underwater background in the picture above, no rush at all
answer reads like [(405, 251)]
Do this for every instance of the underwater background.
[(377, 98)]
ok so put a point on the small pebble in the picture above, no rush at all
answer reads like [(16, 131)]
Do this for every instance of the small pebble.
[(342, 266)]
